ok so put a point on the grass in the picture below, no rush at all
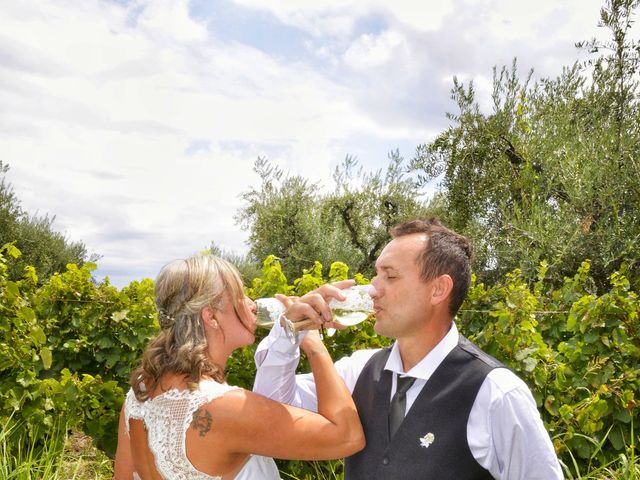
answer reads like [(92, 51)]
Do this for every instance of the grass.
[(72, 456), (625, 467), (317, 470), (62, 456)]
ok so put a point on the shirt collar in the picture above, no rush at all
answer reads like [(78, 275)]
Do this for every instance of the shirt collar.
[(425, 367)]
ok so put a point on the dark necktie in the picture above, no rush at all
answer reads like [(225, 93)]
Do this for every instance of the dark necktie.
[(398, 403)]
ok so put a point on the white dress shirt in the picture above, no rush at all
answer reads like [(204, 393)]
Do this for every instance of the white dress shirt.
[(504, 431)]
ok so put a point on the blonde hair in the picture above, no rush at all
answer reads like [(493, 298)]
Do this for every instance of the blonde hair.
[(182, 289)]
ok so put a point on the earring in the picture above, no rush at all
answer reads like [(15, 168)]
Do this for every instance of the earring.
[(214, 324)]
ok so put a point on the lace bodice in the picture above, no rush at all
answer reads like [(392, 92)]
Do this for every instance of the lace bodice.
[(167, 418)]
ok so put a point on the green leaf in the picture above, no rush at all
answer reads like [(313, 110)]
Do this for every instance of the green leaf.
[(616, 438), (105, 342), (30, 274), (530, 364), (11, 290), (12, 250), (119, 316), (550, 405), (112, 359), (526, 324), (47, 358), (37, 334), (591, 337), (622, 416), (524, 353), (27, 314), (582, 447)]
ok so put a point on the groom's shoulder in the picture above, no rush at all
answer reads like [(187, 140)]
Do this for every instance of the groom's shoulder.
[(350, 367), (363, 356)]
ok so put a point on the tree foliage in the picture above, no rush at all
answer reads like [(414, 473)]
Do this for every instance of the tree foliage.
[(42, 247), (243, 261), (291, 218), (282, 216), (553, 171), (364, 206)]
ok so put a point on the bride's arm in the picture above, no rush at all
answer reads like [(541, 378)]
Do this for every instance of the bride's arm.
[(123, 469), (251, 423)]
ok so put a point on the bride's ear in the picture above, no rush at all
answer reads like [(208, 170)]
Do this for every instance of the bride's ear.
[(208, 316)]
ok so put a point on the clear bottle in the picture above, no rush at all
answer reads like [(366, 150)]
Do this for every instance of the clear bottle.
[(357, 307)]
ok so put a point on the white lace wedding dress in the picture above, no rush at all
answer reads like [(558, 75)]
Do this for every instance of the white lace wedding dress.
[(167, 418)]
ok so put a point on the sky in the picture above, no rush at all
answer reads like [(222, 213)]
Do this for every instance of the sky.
[(137, 123)]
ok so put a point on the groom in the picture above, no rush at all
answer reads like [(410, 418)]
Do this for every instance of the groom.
[(433, 405)]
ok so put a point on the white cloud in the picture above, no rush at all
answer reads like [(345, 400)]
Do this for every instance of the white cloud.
[(128, 100), (339, 17), (170, 19), (318, 17), (373, 50), (425, 16)]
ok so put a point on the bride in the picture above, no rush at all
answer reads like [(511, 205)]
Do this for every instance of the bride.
[(182, 420)]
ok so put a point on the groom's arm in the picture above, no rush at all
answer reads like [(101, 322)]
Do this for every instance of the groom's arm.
[(276, 361)]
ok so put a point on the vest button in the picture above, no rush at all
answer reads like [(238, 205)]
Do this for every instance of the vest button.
[(385, 461)]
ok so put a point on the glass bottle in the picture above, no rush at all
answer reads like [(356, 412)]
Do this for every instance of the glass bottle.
[(357, 307)]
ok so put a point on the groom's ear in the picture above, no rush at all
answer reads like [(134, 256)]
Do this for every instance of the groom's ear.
[(442, 287)]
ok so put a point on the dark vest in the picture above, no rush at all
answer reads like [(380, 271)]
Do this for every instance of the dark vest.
[(439, 413)]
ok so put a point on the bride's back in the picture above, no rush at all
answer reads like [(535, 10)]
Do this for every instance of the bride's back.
[(172, 435)]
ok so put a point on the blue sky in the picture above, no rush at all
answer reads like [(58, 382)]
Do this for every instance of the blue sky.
[(136, 123), (255, 27)]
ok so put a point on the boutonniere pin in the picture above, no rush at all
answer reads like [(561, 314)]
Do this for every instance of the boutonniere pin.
[(427, 440)]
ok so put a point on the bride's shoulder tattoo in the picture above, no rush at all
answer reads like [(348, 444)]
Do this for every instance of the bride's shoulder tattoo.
[(202, 421)]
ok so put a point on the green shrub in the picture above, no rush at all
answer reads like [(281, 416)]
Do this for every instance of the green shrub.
[(67, 348), (38, 388), (579, 353)]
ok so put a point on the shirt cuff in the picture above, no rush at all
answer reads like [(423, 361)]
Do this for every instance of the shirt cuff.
[(277, 349)]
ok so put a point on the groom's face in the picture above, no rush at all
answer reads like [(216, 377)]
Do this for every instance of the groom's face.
[(401, 296)]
